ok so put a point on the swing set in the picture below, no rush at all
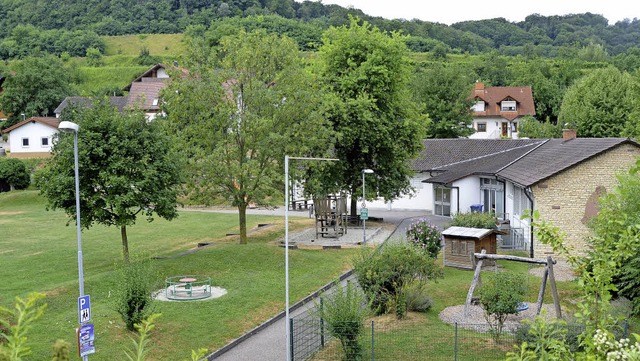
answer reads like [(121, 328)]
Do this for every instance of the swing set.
[(547, 274)]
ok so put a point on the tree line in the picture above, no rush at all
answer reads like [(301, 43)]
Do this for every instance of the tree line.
[(548, 36)]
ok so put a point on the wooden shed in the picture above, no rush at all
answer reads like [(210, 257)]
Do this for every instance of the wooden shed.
[(460, 243)]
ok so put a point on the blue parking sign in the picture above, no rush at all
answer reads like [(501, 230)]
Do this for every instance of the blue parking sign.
[(84, 309)]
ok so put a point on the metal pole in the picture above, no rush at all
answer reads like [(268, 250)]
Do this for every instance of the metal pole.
[(286, 251), (78, 227), (364, 221), (286, 244)]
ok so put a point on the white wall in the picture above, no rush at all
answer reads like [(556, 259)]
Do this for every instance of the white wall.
[(469, 193), (35, 132), (422, 200), (494, 128)]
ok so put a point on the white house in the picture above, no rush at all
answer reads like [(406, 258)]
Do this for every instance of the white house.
[(32, 138), (498, 110)]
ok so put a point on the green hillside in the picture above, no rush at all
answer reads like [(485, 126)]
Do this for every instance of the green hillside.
[(157, 44)]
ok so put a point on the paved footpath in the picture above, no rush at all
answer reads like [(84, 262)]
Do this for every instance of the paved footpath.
[(268, 341)]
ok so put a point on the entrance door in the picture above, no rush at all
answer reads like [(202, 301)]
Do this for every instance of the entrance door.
[(442, 201), (492, 193), (505, 129)]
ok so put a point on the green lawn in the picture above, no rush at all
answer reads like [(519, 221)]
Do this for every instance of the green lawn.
[(39, 253)]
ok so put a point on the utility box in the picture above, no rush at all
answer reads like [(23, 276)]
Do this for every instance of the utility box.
[(460, 243)]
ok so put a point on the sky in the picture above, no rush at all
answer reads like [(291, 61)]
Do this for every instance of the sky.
[(453, 11)]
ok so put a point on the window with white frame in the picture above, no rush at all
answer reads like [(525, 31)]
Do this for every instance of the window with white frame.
[(44, 141), (25, 142), (508, 105), (478, 106)]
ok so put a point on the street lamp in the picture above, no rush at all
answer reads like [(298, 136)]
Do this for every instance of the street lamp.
[(286, 244), (364, 200), (66, 126)]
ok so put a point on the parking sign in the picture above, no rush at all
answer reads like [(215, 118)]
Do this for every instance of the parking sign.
[(84, 309)]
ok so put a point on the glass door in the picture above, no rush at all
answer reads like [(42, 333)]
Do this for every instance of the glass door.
[(442, 201), (492, 193)]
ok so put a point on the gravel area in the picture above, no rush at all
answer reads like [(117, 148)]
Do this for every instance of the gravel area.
[(475, 319)]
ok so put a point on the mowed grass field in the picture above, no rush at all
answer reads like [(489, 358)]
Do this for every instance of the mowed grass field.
[(38, 253)]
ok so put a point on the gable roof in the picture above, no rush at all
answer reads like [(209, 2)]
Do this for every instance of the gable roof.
[(441, 152), (523, 163), (118, 102), (145, 95), (48, 121), (493, 96), (555, 156)]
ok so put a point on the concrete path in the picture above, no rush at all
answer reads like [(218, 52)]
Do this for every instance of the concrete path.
[(267, 342)]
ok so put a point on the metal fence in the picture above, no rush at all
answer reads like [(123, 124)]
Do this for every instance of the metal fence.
[(407, 340), (311, 340)]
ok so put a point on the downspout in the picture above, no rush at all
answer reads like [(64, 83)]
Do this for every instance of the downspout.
[(529, 194)]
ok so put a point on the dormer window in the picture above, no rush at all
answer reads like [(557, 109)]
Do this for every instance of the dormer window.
[(479, 106), (508, 106)]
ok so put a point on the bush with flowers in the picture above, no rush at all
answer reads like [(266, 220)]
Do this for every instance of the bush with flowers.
[(425, 236)]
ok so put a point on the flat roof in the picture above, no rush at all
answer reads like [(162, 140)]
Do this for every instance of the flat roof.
[(467, 232)]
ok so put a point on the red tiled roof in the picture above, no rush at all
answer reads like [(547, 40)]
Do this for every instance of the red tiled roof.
[(49, 121), (493, 96), (143, 94)]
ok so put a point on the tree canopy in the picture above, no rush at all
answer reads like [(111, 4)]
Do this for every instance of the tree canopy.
[(599, 104), (126, 169), (366, 73), (34, 87), (239, 113)]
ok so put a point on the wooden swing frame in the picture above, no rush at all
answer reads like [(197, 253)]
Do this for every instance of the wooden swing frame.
[(548, 274)]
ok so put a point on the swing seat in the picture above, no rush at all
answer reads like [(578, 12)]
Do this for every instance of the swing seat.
[(522, 307)]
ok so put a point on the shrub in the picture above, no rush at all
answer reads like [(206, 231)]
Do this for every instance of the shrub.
[(134, 301), (417, 298), (384, 274), (500, 297), (475, 220), (425, 236), (343, 312), (26, 313), (15, 173)]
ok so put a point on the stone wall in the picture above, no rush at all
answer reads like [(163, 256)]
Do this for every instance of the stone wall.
[(568, 200)]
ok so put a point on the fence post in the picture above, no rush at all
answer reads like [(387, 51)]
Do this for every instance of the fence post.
[(321, 322), (373, 357), (291, 337), (455, 343), (626, 328)]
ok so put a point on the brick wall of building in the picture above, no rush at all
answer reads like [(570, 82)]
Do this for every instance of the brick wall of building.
[(566, 200)]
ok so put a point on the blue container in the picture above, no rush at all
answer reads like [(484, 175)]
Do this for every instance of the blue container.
[(476, 208)]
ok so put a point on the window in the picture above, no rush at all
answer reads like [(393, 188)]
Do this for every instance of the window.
[(155, 102), (478, 107), (25, 142), (482, 127), (492, 195), (508, 105), (520, 201), (514, 127), (45, 141)]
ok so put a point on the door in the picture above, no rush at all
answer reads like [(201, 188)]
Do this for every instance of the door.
[(442, 201), (505, 129), (492, 193)]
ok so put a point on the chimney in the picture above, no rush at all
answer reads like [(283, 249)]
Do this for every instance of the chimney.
[(478, 89), (568, 134)]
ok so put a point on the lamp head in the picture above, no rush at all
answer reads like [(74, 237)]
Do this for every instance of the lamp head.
[(68, 126), (368, 171)]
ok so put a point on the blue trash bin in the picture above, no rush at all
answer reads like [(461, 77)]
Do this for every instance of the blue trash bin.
[(476, 208)]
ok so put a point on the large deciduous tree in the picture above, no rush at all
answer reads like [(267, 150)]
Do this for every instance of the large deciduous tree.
[(599, 104), (35, 86), (443, 90), (366, 73), (126, 170), (238, 114)]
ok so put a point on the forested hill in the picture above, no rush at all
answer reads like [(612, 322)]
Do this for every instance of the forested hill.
[(44, 22)]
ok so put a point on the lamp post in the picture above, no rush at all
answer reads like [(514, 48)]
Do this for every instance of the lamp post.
[(364, 200), (286, 244), (73, 127)]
